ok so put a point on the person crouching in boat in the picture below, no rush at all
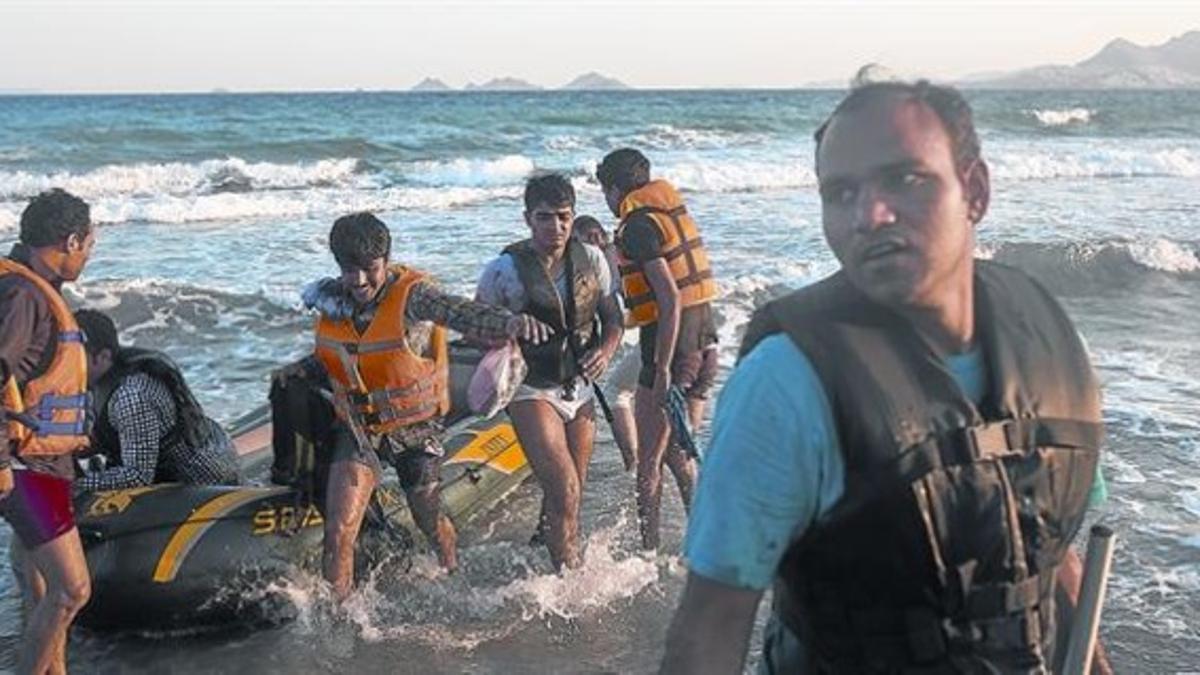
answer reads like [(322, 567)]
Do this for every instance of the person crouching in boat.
[(566, 284), (149, 426), (381, 338)]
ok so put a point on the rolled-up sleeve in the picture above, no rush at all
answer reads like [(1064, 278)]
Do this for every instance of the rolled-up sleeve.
[(475, 320)]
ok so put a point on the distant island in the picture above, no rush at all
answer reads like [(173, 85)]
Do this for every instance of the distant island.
[(587, 82), (1121, 64), (431, 84), (594, 82), (503, 84)]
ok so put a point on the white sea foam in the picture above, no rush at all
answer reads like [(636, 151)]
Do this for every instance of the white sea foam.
[(470, 172), (735, 175), (1104, 260), (1164, 255), (568, 143), (605, 577), (235, 206), (1062, 117), (187, 179), (1028, 163), (668, 137), (497, 590)]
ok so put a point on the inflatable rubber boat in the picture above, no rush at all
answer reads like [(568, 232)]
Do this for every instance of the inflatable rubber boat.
[(172, 556)]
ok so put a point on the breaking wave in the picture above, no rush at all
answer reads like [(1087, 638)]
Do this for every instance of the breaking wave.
[(187, 179), (1062, 117), (1080, 268), (470, 172), (225, 341), (1025, 163), (668, 137)]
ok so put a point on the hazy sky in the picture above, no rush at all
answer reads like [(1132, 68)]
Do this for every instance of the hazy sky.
[(198, 45)]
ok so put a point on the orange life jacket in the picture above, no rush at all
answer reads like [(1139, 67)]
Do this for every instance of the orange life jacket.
[(375, 376), (682, 248), (50, 414)]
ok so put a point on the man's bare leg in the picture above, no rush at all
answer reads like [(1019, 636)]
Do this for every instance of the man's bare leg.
[(32, 585), (62, 566), (543, 436), (624, 428), (581, 436), (33, 589), (349, 492), (682, 467), (425, 502), (653, 435)]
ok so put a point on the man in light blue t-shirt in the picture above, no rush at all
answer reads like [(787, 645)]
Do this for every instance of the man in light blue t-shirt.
[(873, 452)]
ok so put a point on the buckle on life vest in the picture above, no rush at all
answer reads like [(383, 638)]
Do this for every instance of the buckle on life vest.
[(991, 440), (49, 404)]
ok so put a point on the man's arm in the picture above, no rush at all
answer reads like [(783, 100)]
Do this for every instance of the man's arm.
[(666, 296), (20, 312), (476, 321), (135, 411), (595, 362), (772, 468), (710, 633)]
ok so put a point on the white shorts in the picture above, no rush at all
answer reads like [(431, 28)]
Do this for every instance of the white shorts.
[(567, 410)]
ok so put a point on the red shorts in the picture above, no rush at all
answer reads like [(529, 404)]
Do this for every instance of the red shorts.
[(39, 507)]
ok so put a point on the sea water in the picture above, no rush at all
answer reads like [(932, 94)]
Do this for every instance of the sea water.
[(215, 210)]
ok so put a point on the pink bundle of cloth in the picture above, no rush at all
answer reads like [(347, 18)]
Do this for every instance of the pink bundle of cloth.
[(496, 378)]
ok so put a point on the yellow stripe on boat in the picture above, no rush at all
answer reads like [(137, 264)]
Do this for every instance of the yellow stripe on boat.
[(496, 448), (186, 536)]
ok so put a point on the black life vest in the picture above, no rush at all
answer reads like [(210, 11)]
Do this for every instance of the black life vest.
[(943, 551), (191, 427), (553, 362)]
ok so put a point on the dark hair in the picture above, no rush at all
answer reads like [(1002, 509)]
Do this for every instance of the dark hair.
[(549, 188), (99, 331), (52, 216), (626, 169), (946, 102), (359, 238), (585, 223)]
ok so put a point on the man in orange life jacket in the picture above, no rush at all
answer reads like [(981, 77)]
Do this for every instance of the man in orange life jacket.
[(669, 289), (381, 338), (907, 447), (43, 371)]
